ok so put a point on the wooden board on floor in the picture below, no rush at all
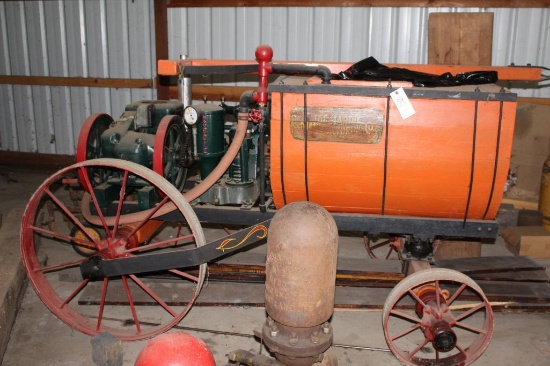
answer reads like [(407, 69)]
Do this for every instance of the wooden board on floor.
[(460, 38), (504, 268), (505, 295)]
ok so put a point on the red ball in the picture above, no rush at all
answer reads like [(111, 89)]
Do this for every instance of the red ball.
[(175, 349)]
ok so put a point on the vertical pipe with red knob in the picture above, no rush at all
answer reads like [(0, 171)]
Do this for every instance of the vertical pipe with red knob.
[(264, 54)]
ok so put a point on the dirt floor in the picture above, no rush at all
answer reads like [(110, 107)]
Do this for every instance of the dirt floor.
[(39, 338)]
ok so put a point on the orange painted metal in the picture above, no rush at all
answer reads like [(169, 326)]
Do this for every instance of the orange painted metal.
[(172, 67), (429, 157)]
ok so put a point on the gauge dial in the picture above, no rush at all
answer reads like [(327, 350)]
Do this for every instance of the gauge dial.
[(190, 115)]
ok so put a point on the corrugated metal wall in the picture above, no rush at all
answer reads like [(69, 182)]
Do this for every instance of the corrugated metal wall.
[(396, 35), (115, 39), (107, 39)]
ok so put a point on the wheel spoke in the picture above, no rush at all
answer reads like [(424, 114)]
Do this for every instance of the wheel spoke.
[(437, 295), (131, 302), (456, 294), (405, 316), (470, 312), (75, 292), (404, 333), (149, 216), (416, 298), (379, 245), (389, 252), (60, 266), (69, 214), (161, 244), (184, 275), (120, 202), (94, 200), (470, 328), (63, 237), (418, 348), (153, 295), (102, 303)]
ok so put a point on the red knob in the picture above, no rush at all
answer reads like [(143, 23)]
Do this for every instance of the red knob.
[(264, 53)]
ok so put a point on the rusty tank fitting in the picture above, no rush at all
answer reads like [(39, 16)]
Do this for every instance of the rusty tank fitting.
[(302, 251)]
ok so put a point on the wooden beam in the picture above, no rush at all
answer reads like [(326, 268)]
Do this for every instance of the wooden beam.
[(42, 162), (77, 81), (541, 101), (161, 43), (360, 3)]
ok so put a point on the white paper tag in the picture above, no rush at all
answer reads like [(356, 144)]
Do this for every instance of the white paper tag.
[(403, 103)]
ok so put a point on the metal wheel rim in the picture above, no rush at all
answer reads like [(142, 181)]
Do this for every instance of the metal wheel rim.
[(70, 314), (89, 141), (440, 276)]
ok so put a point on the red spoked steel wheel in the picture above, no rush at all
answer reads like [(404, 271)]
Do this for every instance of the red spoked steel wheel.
[(389, 248), (437, 317), (170, 151), (130, 307)]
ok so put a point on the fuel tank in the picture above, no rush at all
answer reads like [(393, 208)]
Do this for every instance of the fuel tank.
[(346, 147)]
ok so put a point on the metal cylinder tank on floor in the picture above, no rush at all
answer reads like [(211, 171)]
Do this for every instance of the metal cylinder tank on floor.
[(302, 249)]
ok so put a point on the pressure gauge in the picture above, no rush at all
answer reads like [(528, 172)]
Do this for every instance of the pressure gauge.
[(190, 115)]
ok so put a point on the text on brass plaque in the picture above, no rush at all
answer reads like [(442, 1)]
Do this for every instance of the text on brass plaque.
[(337, 124)]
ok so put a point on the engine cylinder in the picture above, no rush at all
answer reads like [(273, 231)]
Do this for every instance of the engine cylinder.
[(210, 137), (302, 249)]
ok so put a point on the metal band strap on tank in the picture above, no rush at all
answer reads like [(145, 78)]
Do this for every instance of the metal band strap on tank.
[(281, 148), (386, 154), (496, 160), (305, 147), (472, 168)]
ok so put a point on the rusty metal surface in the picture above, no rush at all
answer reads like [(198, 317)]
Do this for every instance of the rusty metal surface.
[(302, 251), (297, 346)]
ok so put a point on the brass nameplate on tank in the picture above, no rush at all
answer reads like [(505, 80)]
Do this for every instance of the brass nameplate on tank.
[(337, 124)]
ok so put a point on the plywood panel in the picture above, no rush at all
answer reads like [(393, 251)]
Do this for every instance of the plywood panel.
[(460, 38)]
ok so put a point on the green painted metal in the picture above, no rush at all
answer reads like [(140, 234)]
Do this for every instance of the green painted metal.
[(210, 137)]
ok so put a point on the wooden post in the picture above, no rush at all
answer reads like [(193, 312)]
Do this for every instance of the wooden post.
[(161, 44)]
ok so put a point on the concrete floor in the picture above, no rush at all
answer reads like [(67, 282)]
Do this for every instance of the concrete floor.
[(39, 338)]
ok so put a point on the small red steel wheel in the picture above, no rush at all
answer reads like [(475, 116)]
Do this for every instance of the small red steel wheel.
[(171, 151), (384, 248), (130, 307), (175, 349), (437, 317), (90, 145)]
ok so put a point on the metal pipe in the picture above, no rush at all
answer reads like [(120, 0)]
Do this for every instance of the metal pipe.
[(300, 69), (184, 86), (261, 152)]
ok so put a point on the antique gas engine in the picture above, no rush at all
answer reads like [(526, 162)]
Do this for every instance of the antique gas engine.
[(164, 137)]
